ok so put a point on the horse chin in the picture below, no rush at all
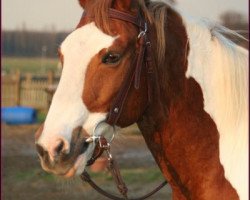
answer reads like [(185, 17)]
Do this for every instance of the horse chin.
[(77, 168)]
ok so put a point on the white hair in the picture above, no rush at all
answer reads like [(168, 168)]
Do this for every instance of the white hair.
[(221, 69)]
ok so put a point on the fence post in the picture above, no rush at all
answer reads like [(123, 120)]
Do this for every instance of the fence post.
[(28, 78), (49, 83), (50, 77), (27, 89), (18, 87)]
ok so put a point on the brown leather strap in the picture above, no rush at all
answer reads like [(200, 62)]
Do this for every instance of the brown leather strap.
[(86, 178), (139, 63), (101, 146), (143, 57), (97, 153), (150, 71), (121, 97), (116, 14), (114, 169)]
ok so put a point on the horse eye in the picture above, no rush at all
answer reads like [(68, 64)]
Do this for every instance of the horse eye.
[(111, 58)]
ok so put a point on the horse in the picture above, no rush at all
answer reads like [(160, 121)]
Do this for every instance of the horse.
[(178, 77)]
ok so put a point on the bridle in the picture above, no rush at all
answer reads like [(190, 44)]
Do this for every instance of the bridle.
[(104, 146), (142, 59)]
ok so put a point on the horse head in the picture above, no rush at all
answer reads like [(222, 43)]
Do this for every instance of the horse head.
[(96, 57)]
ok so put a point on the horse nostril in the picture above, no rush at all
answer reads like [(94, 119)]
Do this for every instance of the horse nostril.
[(60, 147), (40, 150)]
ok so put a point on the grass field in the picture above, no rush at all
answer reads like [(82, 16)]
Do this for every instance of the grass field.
[(32, 65), (130, 176)]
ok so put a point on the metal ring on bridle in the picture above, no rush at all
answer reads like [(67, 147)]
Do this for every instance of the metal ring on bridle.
[(142, 33), (95, 128)]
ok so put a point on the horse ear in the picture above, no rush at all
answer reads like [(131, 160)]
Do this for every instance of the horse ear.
[(82, 3), (122, 4)]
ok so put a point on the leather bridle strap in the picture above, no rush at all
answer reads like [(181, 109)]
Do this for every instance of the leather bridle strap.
[(114, 169), (86, 177), (101, 144), (116, 14), (119, 101), (142, 58)]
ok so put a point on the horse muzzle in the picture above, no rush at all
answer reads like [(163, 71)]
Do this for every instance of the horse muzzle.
[(65, 159)]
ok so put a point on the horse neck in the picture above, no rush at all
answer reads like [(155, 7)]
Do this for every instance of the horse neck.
[(182, 137), (168, 90)]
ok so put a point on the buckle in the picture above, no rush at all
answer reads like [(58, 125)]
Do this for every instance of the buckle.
[(143, 33), (103, 143), (91, 139)]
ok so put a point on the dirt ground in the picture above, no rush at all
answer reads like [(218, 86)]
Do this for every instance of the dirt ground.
[(23, 178)]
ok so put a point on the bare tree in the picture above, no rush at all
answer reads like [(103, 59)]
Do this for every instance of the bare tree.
[(232, 19), (238, 22)]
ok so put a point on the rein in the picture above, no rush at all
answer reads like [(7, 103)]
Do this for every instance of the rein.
[(143, 58), (104, 146)]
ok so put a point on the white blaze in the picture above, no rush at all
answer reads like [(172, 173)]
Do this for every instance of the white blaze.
[(67, 110)]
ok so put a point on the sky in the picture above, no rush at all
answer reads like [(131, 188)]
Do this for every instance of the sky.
[(63, 15)]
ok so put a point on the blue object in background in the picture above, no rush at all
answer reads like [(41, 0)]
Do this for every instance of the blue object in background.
[(18, 115)]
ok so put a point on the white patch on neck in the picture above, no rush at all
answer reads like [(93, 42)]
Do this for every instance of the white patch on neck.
[(221, 69), (67, 110)]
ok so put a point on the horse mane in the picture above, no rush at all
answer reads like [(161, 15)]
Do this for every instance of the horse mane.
[(235, 74), (228, 64), (221, 69)]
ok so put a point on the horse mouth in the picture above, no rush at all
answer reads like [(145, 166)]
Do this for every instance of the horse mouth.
[(69, 165), (75, 167)]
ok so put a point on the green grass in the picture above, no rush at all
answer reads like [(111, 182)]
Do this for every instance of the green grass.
[(41, 116), (32, 174), (32, 65), (130, 176)]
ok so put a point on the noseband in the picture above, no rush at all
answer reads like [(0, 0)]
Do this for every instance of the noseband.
[(142, 59)]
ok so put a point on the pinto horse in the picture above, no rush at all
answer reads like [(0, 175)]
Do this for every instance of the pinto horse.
[(186, 86)]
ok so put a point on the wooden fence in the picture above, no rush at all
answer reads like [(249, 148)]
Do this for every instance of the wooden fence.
[(27, 90)]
